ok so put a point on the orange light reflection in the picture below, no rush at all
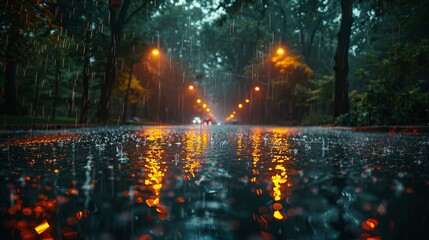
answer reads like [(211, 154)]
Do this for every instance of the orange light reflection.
[(370, 224), (42, 227), (154, 165), (195, 144), (279, 177), (40, 139)]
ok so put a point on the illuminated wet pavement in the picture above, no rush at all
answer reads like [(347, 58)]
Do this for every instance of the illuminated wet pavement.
[(226, 182)]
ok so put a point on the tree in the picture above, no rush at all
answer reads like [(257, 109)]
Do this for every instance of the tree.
[(388, 82), (22, 22), (298, 25), (177, 29), (399, 96), (234, 43), (341, 100), (120, 16), (310, 18), (287, 73)]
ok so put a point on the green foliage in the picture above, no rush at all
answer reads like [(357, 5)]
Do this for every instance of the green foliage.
[(397, 94), (358, 114), (318, 118), (136, 89), (316, 96), (320, 90), (23, 23), (388, 56), (288, 86), (235, 39)]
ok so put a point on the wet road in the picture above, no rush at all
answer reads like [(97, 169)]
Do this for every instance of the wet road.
[(216, 182)]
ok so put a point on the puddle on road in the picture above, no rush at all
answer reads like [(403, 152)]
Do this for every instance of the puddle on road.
[(214, 183)]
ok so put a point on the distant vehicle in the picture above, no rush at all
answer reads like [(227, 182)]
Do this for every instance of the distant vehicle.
[(196, 120), (208, 122)]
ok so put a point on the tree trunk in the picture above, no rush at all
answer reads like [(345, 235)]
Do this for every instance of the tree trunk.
[(110, 72), (85, 77), (36, 85), (134, 109), (35, 99), (56, 87), (118, 20), (11, 101), (311, 41), (127, 93), (341, 100), (117, 24)]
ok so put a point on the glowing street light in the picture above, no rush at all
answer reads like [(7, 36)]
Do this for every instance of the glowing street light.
[(198, 100), (247, 100), (280, 51), (257, 89), (208, 109), (191, 87), (240, 105), (155, 52), (155, 56), (204, 105)]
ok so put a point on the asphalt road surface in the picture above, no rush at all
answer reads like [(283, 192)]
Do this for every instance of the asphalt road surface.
[(214, 182)]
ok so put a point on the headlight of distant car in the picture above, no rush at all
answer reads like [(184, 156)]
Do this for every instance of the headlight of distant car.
[(196, 120)]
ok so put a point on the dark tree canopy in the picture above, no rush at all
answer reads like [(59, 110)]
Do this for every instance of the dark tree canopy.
[(344, 62)]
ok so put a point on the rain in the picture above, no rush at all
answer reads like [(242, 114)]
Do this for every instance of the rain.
[(217, 119), (225, 182)]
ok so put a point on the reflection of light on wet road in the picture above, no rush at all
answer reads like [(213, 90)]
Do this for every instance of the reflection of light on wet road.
[(279, 149), (256, 152), (195, 145), (41, 139), (271, 156), (370, 224), (212, 182), (191, 164), (155, 166), (239, 144), (42, 227)]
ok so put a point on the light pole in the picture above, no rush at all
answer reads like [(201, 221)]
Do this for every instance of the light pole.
[(156, 54), (257, 107), (266, 87), (188, 98), (279, 53)]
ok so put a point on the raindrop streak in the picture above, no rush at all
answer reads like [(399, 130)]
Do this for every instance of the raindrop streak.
[(229, 182)]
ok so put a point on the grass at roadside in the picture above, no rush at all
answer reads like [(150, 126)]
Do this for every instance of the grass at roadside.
[(26, 120)]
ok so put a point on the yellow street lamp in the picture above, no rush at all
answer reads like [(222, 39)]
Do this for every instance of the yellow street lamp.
[(155, 56), (198, 100), (155, 52), (240, 105), (257, 89), (191, 87), (247, 100), (208, 109), (204, 105), (280, 51)]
